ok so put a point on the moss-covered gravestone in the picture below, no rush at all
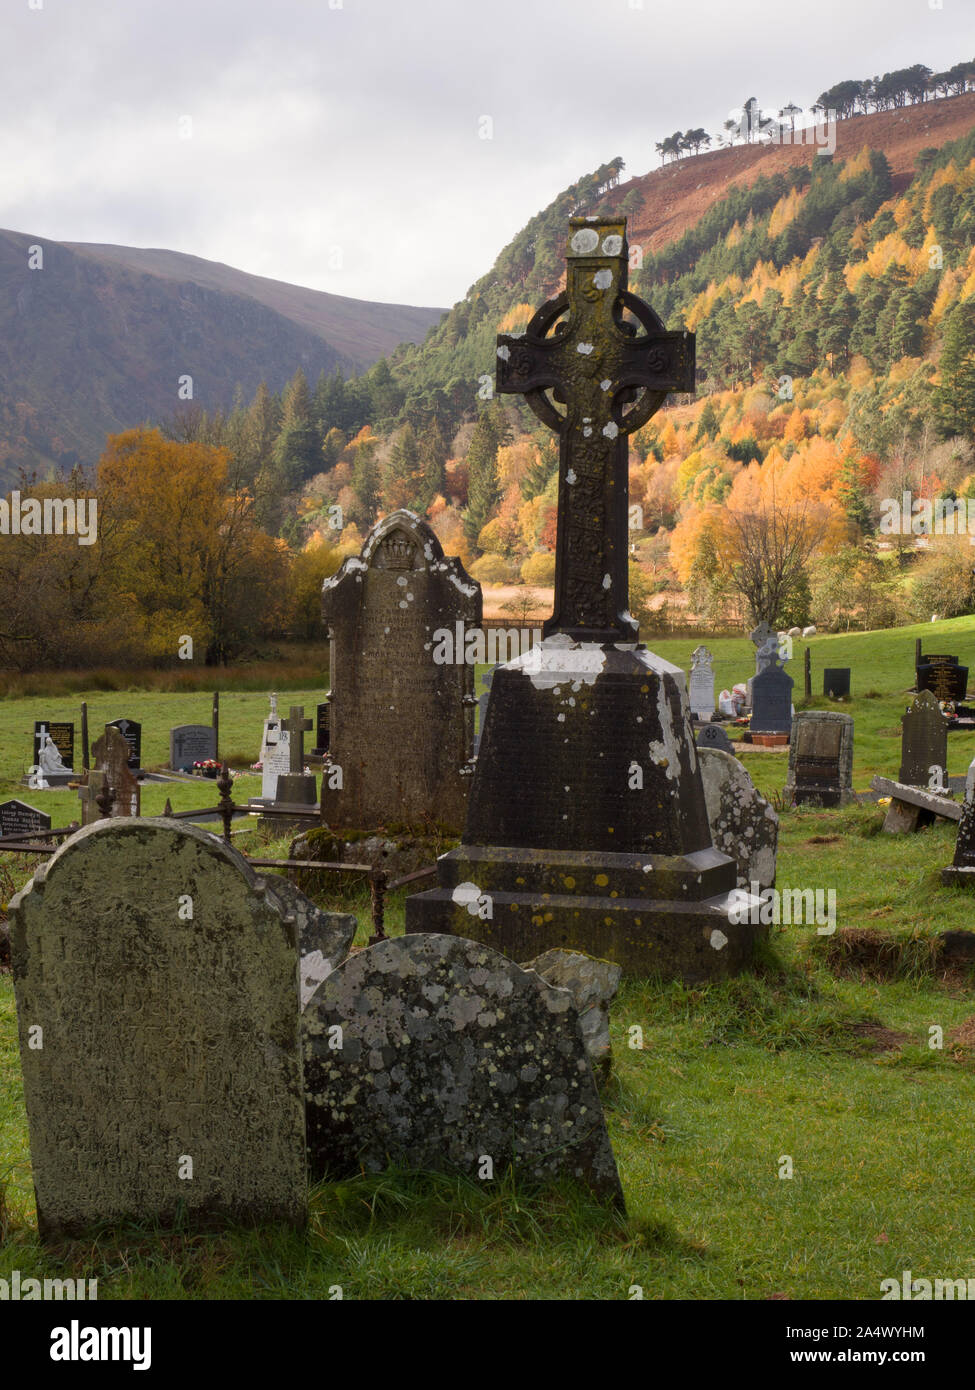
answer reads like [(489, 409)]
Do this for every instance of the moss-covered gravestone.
[(434, 1052), (156, 981), (586, 823), (401, 720)]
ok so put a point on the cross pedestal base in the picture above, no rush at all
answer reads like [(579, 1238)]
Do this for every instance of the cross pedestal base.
[(586, 824)]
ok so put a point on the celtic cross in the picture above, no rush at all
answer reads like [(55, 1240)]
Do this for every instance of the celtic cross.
[(595, 364)]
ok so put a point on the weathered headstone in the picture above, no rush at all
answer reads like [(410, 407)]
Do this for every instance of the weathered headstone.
[(191, 743), (110, 756), (162, 980), (836, 682), (19, 818), (962, 868), (924, 743), (586, 825), (759, 637), (452, 1058), (401, 720), (713, 736), (324, 938), (743, 824), (592, 984), (62, 736), (131, 731), (771, 700), (702, 683), (820, 759)]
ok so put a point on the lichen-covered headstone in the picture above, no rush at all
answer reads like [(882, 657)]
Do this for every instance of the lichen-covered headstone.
[(436, 1052), (111, 759), (324, 938), (743, 824), (593, 985), (820, 759), (401, 719), (156, 982), (924, 743)]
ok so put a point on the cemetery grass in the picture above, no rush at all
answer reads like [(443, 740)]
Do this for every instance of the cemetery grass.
[(821, 1056), (806, 1058)]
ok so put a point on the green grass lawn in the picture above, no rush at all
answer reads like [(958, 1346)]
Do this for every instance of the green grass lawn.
[(804, 1059)]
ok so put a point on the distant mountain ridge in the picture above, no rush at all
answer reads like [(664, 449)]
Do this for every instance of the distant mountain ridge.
[(97, 339)]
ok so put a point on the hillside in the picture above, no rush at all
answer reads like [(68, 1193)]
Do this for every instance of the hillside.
[(97, 339)]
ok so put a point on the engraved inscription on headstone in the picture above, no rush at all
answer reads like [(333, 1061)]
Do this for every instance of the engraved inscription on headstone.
[(62, 736), (321, 729), (701, 683), (191, 743), (401, 732), (169, 1085), (19, 818), (821, 759), (924, 743), (771, 700)]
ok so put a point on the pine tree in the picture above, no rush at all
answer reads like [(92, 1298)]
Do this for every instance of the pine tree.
[(483, 491), (433, 463), (708, 424), (297, 448), (365, 480), (536, 478), (955, 397)]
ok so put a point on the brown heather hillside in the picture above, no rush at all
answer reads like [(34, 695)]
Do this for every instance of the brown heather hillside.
[(677, 195)]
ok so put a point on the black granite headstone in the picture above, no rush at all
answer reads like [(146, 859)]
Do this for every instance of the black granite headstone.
[(836, 682), (18, 818), (321, 729), (62, 736), (946, 680), (771, 702), (131, 731)]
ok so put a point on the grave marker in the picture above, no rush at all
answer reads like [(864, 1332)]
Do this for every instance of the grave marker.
[(743, 824), (402, 722), (771, 700), (451, 1053), (701, 687), (821, 759), (836, 682), (168, 1087), (586, 778), (112, 755), (191, 743), (19, 818), (713, 736), (924, 743), (131, 731), (62, 736)]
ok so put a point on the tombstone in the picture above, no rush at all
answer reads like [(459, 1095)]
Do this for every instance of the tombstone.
[(962, 867), (169, 1086), (743, 824), (296, 787), (482, 706), (452, 1058), (771, 701), (945, 679), (592, 985), (836, 682), (702, 683), (131, 731), (321, 730), (19, 818), (820, 759), (61, 735), (924, 743), (759, 637), (191, 743), (713, 736), (402, 719), (112, 757), (275, 753), (324, 938), (587, 779)]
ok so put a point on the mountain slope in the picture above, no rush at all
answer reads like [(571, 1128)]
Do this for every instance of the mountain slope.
[(97, 340)]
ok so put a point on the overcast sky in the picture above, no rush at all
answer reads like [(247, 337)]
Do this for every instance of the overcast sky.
[(358, 124)]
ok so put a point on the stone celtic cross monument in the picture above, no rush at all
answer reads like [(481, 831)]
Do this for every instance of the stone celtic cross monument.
[(586, 823)]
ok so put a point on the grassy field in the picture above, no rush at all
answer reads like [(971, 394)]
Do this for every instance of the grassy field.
[(813, 1058)]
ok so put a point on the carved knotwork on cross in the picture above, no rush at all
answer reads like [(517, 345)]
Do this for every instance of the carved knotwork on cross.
[(594, 363), (296, 726)]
